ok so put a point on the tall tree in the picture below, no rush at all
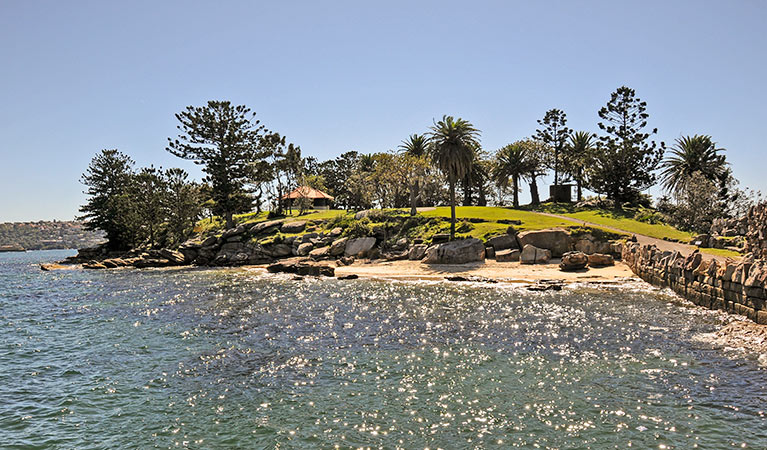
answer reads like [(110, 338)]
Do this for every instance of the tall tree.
[(511, 164), (415, 147), (225, 140), (183, 203), (625, 159), (576, 156), (691, 154), (337, 172), (553, 133), (106, 179), (453, 145)]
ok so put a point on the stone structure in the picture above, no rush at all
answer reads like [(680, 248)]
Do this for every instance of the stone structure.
[(756, 236), (735, 287)]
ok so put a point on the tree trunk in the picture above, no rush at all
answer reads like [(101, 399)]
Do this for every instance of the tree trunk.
[(515, 186), (467, 191), (414, 198), (579, 190), (452, 210), (229, 220), (536, 200)]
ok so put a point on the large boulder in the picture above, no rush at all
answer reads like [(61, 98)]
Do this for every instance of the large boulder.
[(503, 242), (267, 227), (338, 247), (574, 261), (417, 251), (359, 246), (280, 250), (320, 253), (508, 255), (304, 249), (534, 255), (601, 259), (557, 240), (293, 227), (456, 252)]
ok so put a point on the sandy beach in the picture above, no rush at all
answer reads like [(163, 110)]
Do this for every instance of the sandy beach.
[(503, 271)]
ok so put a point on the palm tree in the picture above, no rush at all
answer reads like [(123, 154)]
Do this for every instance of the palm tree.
[(415, 146), (577, 153), (454, 143), (693, 154), (512, 163)]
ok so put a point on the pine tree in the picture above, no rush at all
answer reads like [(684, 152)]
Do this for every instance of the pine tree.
[(625, 159), (226, 141)]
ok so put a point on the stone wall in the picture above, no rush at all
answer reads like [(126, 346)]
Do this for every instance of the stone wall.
[(735, 287), (756, 237)]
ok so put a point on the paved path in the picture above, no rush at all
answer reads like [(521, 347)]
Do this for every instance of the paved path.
[(684, 249)]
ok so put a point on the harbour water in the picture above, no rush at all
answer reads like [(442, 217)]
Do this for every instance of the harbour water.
[(219, 358)]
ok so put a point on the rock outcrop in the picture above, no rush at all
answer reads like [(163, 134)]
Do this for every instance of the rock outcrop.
[(556, 240), (533, 255), (456, 252), (510, 255), (574, 261), (359, 246)]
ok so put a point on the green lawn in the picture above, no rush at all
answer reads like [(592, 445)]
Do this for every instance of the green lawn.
[(530, 220), (625, 223)]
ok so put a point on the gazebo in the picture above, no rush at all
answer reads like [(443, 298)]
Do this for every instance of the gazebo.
[(320, 200)]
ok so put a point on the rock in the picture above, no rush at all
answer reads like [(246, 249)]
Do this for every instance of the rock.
[(345, 261), (53, 266), (471, 279), (510, 221), (557, 240), (601, 259), (283, 267), (304, 249), (270, 226), (417, 251), (280, 250), (173, 256), (315, 270), (320, 253), (401, 244), (338, 247), (489, 253), (351, 276), (533, 255), (335, 232), (456, 252), (238, 230), (585, 245), (362, 214), (503, 242), (293, 227), (309, 237), (209, 241), (573, 261), (94, 265), (440, 238), (359, 246), (508, 255), (545, 287), (396, 256), (152, 262)]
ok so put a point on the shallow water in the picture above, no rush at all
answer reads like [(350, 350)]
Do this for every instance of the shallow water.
[(232, 358)]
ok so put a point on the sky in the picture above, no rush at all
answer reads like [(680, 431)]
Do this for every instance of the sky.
[(80, 76)]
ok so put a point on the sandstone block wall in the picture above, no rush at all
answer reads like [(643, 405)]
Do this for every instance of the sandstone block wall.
[(756, 237), (735, 287)]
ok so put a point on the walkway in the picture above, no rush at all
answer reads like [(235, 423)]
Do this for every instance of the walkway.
[(684, 249)]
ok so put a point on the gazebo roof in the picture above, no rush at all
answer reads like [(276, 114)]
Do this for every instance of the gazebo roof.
[(307, 192)]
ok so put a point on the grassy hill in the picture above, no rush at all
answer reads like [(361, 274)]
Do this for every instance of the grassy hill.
[(482, 222)]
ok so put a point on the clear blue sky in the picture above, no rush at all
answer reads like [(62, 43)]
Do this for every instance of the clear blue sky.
[(77, 76)]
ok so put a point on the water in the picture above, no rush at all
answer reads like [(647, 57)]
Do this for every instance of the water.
[(231, 358)]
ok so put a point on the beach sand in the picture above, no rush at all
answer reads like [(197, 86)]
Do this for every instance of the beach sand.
[(503, 271)]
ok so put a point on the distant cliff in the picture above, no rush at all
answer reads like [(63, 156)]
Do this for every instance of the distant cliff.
[(45, 235)]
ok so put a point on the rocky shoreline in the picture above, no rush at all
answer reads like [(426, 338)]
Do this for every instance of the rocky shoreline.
[(297, 247)]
